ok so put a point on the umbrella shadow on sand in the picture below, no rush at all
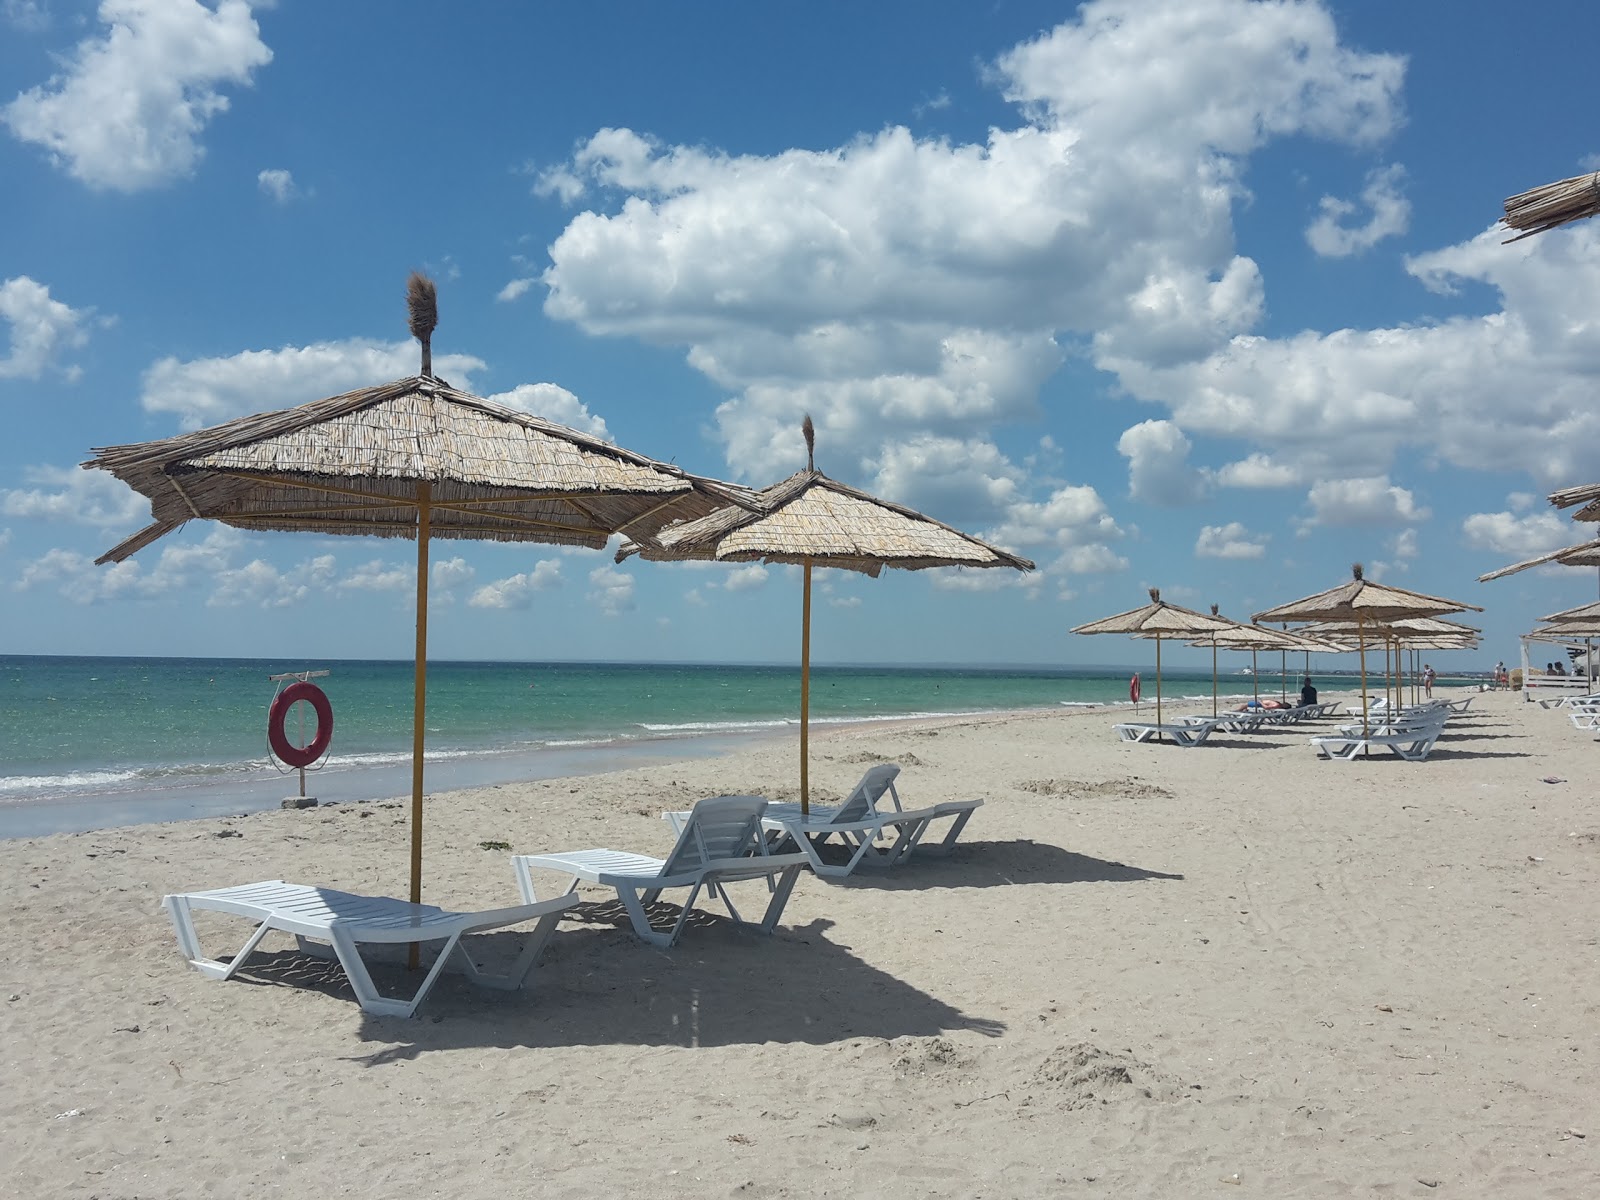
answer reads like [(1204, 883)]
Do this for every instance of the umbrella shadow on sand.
[(721, 986)]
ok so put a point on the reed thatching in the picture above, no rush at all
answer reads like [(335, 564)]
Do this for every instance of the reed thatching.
[(1363, 600), (351, 464), (1584, 554), (1588, 495), (1553, 205), (1158, 617), (811, 518), (1584, 612)]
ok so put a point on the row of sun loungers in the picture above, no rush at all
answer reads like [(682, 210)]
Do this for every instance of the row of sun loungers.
[(722, 840), (1409, 732), (1193, 731)]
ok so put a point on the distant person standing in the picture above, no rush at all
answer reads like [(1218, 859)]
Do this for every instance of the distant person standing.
[(1427, 680), (1500, 676)]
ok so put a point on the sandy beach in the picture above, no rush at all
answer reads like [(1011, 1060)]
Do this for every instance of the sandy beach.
[(1234, 970)]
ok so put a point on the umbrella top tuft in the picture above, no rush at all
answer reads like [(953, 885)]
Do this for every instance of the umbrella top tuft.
[(422, 303), (810, 431)]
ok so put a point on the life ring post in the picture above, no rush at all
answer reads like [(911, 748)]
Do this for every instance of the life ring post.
[(306, 753)]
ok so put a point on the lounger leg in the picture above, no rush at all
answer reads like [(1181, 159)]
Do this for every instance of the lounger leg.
[(780, 898), (821, 867), (641, 923), (524, 875), (189, 941), (904, 844), (367, 992), (532, 948), (956, 827)]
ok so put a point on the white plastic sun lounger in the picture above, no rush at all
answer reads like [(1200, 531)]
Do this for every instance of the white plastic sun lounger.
[(344, 921), (860, 825), (873, 836), (721, 843), (1413, 747), (1187, 736)]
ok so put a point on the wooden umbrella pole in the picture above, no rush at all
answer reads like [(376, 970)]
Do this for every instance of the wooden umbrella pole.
[(420, 699), (1361, 643), (805, 695), (1255, 676), (1158, 679), (1213, 675)]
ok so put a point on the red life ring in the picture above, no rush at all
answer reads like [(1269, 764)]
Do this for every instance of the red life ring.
[(287, 751), (1133, 688)]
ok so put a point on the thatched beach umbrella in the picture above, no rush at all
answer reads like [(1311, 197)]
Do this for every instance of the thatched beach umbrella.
[(1157, 620), (1366, 604), (1553, 204), (809, 520), (416, 459)]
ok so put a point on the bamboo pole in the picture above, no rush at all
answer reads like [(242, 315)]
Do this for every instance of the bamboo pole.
[(805, 695), (420, 698)]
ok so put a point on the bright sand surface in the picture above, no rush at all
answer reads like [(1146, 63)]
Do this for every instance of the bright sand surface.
[(1234, 970)]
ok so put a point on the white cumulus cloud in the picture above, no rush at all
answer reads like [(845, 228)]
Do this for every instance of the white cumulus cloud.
[(1388, 214), (205, 391), (278, 184), (611, 591), (1372, 500), (518, 591), (40, 329), (554, 403), (743, 579), (1232, 540), (1527, 535), (75, 496), (915, 293), (129, 106), (1158, 464)]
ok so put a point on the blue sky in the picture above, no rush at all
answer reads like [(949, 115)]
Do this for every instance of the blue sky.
[(1198, 294)]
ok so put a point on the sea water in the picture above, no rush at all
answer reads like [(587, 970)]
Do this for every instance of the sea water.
[(90, 742)]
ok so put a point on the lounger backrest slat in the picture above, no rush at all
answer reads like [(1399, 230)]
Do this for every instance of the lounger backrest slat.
[(863, 801), (718, 827)]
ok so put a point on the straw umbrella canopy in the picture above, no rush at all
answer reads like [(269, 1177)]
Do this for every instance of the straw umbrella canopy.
[(415, 459), (1158, 620), (1553, 204), (1583, 554), (1584, 612), (809, 520), (1366, 603)]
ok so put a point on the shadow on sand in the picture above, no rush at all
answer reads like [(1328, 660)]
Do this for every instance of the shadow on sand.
[(995, 864)]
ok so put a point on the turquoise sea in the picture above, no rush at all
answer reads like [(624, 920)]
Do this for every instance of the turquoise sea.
[(91, 742)]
